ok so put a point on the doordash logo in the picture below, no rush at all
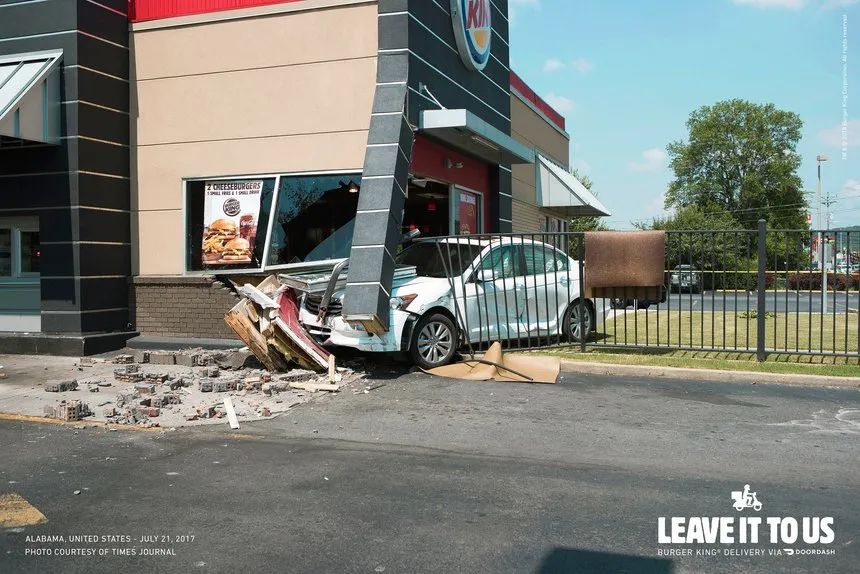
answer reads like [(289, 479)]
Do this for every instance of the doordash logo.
[(473, 29)]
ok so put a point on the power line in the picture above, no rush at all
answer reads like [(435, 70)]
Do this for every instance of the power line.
[(770, 208)]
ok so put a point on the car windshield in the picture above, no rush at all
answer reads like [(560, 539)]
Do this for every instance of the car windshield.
[(432, 259)]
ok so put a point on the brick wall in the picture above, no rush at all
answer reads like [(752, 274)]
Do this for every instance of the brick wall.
[(176, 306)]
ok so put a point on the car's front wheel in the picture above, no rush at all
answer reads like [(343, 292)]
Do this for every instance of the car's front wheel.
[(435, 341), (579, 322)]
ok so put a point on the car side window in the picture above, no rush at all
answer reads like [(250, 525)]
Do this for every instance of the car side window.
[(540, 260), (502, 261)]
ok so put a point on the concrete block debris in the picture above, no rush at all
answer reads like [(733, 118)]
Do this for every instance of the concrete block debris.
[(298, 376), (141, 356), (155, 377), (61, 387), (171, 399), (68, 411), (144, 389), (205, 386), (128, 374), (123, 359), (219, 386), (162, 358), (212, 372)]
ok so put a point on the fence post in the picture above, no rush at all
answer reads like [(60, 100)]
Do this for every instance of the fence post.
[(761, 286), (582, 308)]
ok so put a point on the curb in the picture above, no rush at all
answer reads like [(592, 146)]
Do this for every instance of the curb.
[(610, 369), (91, 424)]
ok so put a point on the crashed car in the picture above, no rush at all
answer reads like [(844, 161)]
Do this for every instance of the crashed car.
[(495, 288)]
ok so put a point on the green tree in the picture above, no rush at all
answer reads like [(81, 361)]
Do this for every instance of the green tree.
[(741, 157), (723, 245), (586, 223)]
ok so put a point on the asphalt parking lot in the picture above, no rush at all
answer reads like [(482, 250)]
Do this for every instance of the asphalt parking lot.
[(428, 475)]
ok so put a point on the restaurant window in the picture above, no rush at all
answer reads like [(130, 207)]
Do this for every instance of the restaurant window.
[(19, 249), (315, 218), (226, 222)]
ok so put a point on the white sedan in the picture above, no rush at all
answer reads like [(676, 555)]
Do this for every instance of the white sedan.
[(503, 289)]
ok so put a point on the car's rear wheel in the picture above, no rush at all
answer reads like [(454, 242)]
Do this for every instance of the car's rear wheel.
[(579, 322), (435, 341)]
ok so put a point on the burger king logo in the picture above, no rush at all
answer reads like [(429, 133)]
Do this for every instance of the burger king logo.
[(473, 29)]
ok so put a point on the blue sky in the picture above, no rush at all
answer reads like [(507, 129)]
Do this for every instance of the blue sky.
[(627, 73)]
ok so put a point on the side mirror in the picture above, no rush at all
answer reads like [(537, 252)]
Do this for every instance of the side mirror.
[(485, 276)]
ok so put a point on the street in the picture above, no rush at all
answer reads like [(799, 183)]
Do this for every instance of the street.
[(435, 475)]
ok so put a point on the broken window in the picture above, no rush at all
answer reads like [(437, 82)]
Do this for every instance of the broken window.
[(315, 218)]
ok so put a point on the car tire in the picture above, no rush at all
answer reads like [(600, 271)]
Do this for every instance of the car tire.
[(571, 322), (434, 342)]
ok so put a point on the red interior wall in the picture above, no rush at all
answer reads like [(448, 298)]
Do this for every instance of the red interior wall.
[(428, 160)]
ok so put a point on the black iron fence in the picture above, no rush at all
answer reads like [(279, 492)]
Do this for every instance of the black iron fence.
[(752, 291)]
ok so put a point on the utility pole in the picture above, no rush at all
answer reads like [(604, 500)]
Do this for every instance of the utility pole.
[(822, 253)]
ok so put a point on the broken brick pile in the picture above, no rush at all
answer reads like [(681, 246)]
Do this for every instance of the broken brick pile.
[(150, 389)]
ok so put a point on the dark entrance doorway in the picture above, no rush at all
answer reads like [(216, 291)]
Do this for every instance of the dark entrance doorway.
[(428, 208)]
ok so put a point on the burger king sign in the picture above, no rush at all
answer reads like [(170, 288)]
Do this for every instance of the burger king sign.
[(473, 29)]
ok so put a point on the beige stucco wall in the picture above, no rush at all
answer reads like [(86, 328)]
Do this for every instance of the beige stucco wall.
[(530, 128), (253, 95)]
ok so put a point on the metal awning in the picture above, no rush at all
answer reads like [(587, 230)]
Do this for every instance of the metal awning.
[(558, 189), (463, 130), (30, 97)]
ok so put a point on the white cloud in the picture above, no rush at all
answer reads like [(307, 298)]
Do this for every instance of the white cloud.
[(582, 65), (553, 65), (833, 137), (851, 188), (654, 160), (515, 6), (561, 104), (656, 208)]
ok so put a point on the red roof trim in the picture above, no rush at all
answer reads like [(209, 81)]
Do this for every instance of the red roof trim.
[(140, 10), (520, 86)]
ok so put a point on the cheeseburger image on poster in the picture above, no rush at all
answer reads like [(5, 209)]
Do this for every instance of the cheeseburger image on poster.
[(230, 213)]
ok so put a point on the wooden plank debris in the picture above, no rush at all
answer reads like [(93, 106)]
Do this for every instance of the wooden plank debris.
[(231, 413), (314, 387), (271, 329)]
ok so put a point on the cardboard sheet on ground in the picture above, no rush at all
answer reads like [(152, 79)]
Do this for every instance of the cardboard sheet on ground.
[(497, 366)]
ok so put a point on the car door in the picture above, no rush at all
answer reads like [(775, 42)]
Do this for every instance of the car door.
[(493, 302), (548, 288)]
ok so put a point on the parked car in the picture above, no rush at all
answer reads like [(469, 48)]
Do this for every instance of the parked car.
[(621, 303), (467, 290), (686, 278)]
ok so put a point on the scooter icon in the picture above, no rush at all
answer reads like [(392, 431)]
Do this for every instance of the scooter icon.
[(745, 499)]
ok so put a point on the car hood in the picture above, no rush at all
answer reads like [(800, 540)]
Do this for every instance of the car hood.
[(418, 283)]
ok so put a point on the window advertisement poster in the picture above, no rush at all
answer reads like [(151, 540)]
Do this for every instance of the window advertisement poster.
[(468, 203), (230, 213)]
